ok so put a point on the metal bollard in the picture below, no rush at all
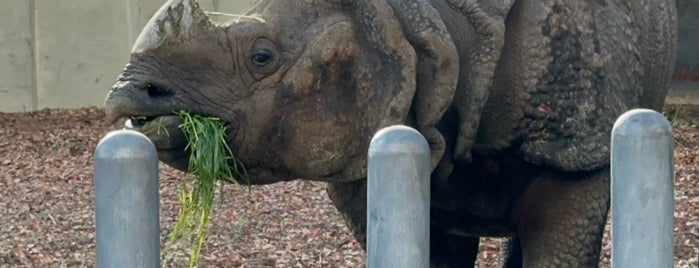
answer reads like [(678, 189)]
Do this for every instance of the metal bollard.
[(126, 201), (398, 199), (642, 195)]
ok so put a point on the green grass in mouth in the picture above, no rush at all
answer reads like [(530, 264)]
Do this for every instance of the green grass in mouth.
[(211, 160)]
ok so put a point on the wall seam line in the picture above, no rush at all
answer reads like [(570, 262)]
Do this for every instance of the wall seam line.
[(129, 21), (35, 54)]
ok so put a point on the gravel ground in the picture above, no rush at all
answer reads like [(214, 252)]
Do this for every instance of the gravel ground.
[(46, 198)]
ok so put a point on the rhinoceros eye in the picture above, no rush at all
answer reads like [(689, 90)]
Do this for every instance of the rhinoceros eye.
[(264, 58), (261, 57)]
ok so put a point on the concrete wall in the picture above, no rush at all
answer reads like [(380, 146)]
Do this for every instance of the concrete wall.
[(58, 53)]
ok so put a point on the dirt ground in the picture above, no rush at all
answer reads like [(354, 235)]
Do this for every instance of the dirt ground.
[(46, 200)]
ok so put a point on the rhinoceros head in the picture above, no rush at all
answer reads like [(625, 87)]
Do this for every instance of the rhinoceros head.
[(301, 84)]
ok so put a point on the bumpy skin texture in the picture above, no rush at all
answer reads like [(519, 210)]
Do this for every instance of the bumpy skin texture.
[(515, 97)]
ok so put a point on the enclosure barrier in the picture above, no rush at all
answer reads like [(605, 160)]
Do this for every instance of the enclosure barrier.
[(126, 201), (398, 199), (642, 196), (398, 196)]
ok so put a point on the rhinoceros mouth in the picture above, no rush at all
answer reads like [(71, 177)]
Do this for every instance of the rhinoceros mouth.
[(165, 133), (164, 130), (135, 122), (140, 123)]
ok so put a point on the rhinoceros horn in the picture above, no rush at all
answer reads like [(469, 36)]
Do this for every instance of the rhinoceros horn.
[(176, 18)]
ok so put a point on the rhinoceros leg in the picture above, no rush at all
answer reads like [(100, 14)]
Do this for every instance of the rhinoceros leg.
[(451, 250), (350, 199), (513, 253), (562, 219), (445, 250)]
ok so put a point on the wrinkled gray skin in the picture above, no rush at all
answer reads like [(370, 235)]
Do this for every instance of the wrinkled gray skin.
[(516, 98)]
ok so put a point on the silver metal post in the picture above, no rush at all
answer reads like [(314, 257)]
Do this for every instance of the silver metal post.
[(398, 199), (126, 201), (642, 164)]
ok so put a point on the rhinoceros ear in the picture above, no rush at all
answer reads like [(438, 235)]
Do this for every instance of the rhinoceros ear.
[(175, 19), (412, 35)]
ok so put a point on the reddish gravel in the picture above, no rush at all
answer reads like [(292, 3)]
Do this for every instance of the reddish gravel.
[(46, 199)]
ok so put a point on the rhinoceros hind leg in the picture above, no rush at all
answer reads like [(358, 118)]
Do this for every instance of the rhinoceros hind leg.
[(562, 219)]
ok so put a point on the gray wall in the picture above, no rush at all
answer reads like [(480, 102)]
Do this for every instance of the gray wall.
[(80, 45)]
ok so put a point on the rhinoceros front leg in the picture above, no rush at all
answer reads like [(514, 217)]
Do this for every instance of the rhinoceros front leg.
[(451, 251), (562, 219), (350, 199), (446, 250)]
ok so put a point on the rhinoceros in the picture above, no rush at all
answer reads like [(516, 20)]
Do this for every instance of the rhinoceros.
[(516, 99)]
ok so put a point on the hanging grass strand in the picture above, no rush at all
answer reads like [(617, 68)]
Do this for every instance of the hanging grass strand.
[(211, 160)]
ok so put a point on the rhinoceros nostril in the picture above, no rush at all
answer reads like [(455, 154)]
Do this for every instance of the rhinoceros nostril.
[(156, 91)]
